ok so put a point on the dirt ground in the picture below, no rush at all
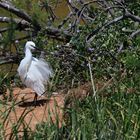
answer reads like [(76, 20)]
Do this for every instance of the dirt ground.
[(30, 112), (45, 109)]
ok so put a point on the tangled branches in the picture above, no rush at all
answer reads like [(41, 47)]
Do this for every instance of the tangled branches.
[(96, 15)]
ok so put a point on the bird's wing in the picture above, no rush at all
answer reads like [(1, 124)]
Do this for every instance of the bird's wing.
[(23, 69), (34, 79), (37, 76), (44, 69), (33, 73), (36, 85)]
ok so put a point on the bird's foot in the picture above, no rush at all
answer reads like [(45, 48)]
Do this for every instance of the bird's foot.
[(35, 100)]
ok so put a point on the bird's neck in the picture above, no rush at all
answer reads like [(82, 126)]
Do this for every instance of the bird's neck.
[(28, 53), (28, 58)]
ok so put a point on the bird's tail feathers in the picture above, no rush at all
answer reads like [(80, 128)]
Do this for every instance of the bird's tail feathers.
[(39, 88)]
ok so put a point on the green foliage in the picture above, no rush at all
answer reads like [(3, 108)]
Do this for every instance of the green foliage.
[(115, 117), (4, 83)]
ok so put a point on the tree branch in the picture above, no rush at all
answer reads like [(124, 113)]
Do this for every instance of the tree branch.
[(15, 20), (126, 14), (133, 17), (9, 59), (58, 34), (19, 13), (16, 11), (90, 37), (134, 34)]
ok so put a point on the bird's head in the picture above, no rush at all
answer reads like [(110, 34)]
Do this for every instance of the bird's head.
[(30, 45)]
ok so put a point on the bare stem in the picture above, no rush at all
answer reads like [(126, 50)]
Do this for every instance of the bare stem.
[(92, 80)]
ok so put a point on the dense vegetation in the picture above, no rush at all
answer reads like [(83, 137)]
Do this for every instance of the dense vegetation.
[(97, 42)]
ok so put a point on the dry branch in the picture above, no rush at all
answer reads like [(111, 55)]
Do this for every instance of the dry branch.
[(77, 13), (15, 11), (19, 13), (58, 34), (134, 34), (9, 59), (21, 24), (131, 16)]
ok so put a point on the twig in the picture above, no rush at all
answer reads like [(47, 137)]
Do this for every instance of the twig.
[(9, 59), (58, 34), (92, 81), (134, 34), (4, 29), (107, 4), (65, 20)]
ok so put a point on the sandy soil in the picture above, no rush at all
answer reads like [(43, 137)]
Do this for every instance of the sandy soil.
[(32, 113), (45, 108)]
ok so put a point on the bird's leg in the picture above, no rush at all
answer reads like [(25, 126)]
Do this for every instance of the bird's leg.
[(35, 99)]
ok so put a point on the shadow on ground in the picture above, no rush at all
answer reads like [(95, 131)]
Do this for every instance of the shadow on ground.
[(37, 103)]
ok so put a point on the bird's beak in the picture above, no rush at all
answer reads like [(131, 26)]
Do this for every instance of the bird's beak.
[(36, 48)]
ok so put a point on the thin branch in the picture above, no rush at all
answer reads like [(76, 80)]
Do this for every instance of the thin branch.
[(91, 36), (19, 24), (133, 17), (134, 34), (15, 20), (65, 20), (16, 11), (107, 5), (4, 30), (61, 35), (9, 59), (92, 82), (19, 13)]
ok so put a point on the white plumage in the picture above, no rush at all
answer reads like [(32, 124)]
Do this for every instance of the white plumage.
[(34, 73)]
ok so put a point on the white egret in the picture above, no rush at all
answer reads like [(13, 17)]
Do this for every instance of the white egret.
[(34, 73)]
